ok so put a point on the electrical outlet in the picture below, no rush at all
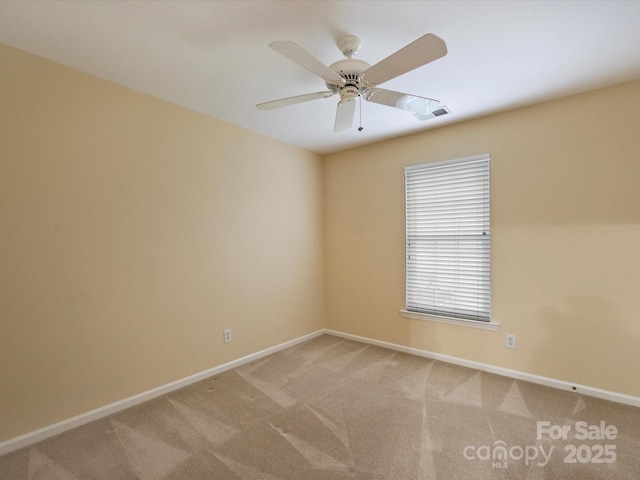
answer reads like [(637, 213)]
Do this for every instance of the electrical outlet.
[(227, 335), (510, 341)]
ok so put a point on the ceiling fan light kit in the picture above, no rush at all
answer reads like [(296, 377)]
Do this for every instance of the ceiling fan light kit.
[(352, 78)]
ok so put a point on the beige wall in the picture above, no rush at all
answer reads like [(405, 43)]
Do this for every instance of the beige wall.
[(565, 180), (132, 232)]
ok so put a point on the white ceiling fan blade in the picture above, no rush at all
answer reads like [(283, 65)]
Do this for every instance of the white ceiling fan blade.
[(344, 114), (421, 107), (296, 54), (418, 53), (283, 102)]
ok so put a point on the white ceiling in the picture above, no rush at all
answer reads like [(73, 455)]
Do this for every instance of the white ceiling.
[(214, 56)]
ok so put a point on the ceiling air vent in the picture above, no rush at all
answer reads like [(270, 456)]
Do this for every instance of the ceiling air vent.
[(441, 111), (438, 112)]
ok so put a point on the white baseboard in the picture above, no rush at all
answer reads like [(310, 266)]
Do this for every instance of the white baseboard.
[(82, 419), (65, 425), (528, 377)]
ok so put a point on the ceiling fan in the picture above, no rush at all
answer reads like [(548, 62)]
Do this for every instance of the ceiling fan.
[(351, 78)]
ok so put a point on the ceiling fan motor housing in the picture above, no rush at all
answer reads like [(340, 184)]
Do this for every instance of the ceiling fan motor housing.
[(349, 69)]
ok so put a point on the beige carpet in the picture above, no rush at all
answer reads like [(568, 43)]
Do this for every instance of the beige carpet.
[(337, 409)]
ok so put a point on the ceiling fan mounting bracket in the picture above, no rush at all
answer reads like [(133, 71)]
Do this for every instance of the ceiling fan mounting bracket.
[(349, 46)]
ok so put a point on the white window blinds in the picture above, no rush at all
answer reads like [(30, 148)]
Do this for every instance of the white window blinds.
[(448, 238)]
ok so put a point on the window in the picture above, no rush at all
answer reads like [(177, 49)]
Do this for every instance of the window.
[(448, 240)]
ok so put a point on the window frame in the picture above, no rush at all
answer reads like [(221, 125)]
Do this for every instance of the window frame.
[(437, 313)]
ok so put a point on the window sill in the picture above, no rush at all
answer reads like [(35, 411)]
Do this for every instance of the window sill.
[(451, 321)]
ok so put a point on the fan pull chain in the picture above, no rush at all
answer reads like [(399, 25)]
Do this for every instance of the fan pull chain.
[(360, 104)]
